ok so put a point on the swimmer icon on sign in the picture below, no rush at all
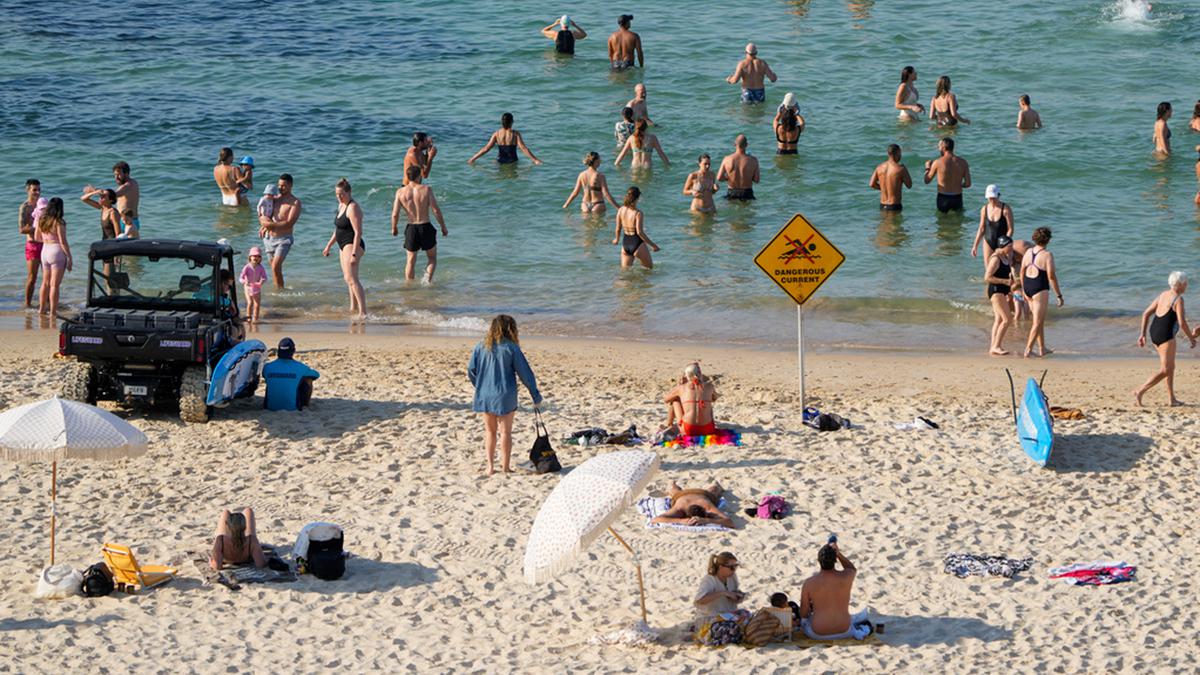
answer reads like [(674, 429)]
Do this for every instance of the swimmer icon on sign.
[(799, 259)]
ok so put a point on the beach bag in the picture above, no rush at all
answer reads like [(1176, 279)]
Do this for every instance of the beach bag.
[(762, 628), (57, 582), (564, 42), (824, 421), (97, 581), (326, 559), (541, 455)]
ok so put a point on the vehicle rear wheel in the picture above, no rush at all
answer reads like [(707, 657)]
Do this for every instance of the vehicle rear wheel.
[(193, 392), (79, 383)]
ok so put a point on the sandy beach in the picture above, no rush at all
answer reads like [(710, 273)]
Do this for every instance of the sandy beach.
[(391, 451)]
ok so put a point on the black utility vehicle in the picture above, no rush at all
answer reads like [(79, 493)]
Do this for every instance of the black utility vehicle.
[(160, 313)]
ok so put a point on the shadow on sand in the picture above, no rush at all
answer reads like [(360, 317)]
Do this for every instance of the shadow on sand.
[(1095, 453), (43, 624)]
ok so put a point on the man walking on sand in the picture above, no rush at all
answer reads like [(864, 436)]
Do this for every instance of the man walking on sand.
[(890, 178), (751, 71), (739, 172), (277, 229), (624, 44), (417, 200), (953, 176), (421, 155)]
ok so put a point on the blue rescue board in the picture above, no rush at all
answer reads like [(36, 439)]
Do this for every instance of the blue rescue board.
[(1035, 426), (237, 374)]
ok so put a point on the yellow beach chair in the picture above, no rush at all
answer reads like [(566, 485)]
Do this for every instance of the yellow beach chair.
[(127, 571)]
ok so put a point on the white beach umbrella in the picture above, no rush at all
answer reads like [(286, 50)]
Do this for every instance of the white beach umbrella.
[(57, 429), (582, 507)]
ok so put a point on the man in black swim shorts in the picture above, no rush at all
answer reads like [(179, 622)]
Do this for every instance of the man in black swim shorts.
[(739, 171), (953, 176), (417, 201)]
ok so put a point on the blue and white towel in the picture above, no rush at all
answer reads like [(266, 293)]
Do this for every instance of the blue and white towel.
[(652, 507)]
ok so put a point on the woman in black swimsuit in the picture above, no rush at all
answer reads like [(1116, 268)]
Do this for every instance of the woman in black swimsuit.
[(946, 114), (635, 243), (999, 278), (788, 127), (506, 140), (1165, 317), (995, 219), (1037, 278), (347, 234)]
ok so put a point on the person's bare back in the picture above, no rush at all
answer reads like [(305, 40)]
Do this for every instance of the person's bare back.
[(890, 178), (624, 45), (739, 171), (825, 597), (753, 72)]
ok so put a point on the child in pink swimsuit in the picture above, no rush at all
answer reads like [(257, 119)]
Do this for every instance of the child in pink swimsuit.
[(252, 278)]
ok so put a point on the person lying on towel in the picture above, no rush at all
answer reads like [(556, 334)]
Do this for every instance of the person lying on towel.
[(236, 541), (825, 599), (689, 403), (695, 506)]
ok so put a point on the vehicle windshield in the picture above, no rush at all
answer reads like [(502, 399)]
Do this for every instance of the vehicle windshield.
[(144, 282)]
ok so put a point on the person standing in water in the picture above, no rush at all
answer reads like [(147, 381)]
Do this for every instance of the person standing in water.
[(701, 185), (739, 171), (1027, 118), (750, 71), (640, 145), (788, 126), (227, 176), (56, 255), (995, 219), (106, 201), (33, 247), (624, 44), (564, 32), (593, 185), (943, 107), (421, 154), (953, 176), (1164, 317), (1038, 277), (129, 194), (348, 235), (999, 277), (506, 140), (277, 230), (631, 234), (623, 129), (890, 178), (417, 200), (907, 96), (638, 104), (1162, 133)]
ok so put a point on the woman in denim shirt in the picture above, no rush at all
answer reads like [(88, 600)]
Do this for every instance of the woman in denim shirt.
[(495, 365)]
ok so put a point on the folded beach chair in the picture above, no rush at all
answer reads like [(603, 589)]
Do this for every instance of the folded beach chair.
[(126, 570)]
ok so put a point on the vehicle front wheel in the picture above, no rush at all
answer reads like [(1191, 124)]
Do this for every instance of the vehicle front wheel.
[(193, 392), (79, 383)]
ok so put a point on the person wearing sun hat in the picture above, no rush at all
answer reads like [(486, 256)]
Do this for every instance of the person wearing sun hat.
[(750, 72), (253, 276)]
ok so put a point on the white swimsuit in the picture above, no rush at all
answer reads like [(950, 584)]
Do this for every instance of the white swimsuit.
[(911, 99)]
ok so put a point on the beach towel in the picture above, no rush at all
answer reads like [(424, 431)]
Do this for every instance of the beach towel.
[(860, 628), (963, 565), (1098, 573), (1061, 413), (233, 576), (721, 437), (653, 507)]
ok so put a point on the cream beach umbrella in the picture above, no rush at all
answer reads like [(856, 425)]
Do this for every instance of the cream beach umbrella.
[(57, 429), (582, 507)]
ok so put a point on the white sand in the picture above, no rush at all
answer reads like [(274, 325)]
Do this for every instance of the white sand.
[(391, 451)]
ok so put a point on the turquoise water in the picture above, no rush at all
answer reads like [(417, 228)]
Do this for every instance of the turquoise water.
[(336, 90)]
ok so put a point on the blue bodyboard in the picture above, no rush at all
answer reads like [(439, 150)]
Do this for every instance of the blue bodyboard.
[(237, 374), (1035, 426)]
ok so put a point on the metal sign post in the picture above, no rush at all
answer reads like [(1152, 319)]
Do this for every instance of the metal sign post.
[(799, 259)]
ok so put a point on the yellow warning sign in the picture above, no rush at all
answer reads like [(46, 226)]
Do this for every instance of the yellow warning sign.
[(799, 259)]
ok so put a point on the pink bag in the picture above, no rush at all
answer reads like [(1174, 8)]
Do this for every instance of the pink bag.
[(772, 506)]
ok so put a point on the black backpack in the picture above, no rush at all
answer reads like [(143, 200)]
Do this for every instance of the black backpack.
[(564, 42), (97, 581), (325, 559), (541, 455)]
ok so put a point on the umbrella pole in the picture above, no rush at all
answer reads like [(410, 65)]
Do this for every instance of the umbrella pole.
[(637, 563), (53, 504)]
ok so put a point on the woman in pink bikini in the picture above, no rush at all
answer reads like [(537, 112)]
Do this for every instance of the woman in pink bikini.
[(690, 403), (56, 255)]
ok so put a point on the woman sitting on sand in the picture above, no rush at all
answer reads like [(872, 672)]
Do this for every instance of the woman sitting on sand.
[(1165, 317), (689, 403), (594, 186), (236, 541), (495, 365), (718, 592)]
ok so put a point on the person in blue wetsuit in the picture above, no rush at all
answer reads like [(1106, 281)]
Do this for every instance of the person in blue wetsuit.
[(495, 365), (289, 382)]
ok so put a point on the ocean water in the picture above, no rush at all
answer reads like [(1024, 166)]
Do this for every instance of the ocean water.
[(325, 90)]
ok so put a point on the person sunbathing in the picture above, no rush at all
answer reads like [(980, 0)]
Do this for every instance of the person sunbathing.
[(825, 599), (689, 403), (236, 541), (695, 506)]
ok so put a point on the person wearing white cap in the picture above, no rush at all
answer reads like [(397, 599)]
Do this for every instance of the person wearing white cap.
[(995, 219), (564, 32), (750, 72)]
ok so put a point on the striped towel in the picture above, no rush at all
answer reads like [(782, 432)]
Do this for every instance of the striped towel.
[(652, 507)]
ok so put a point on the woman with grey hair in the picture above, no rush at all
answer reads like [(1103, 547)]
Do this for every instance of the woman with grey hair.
[(1165, 316)]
